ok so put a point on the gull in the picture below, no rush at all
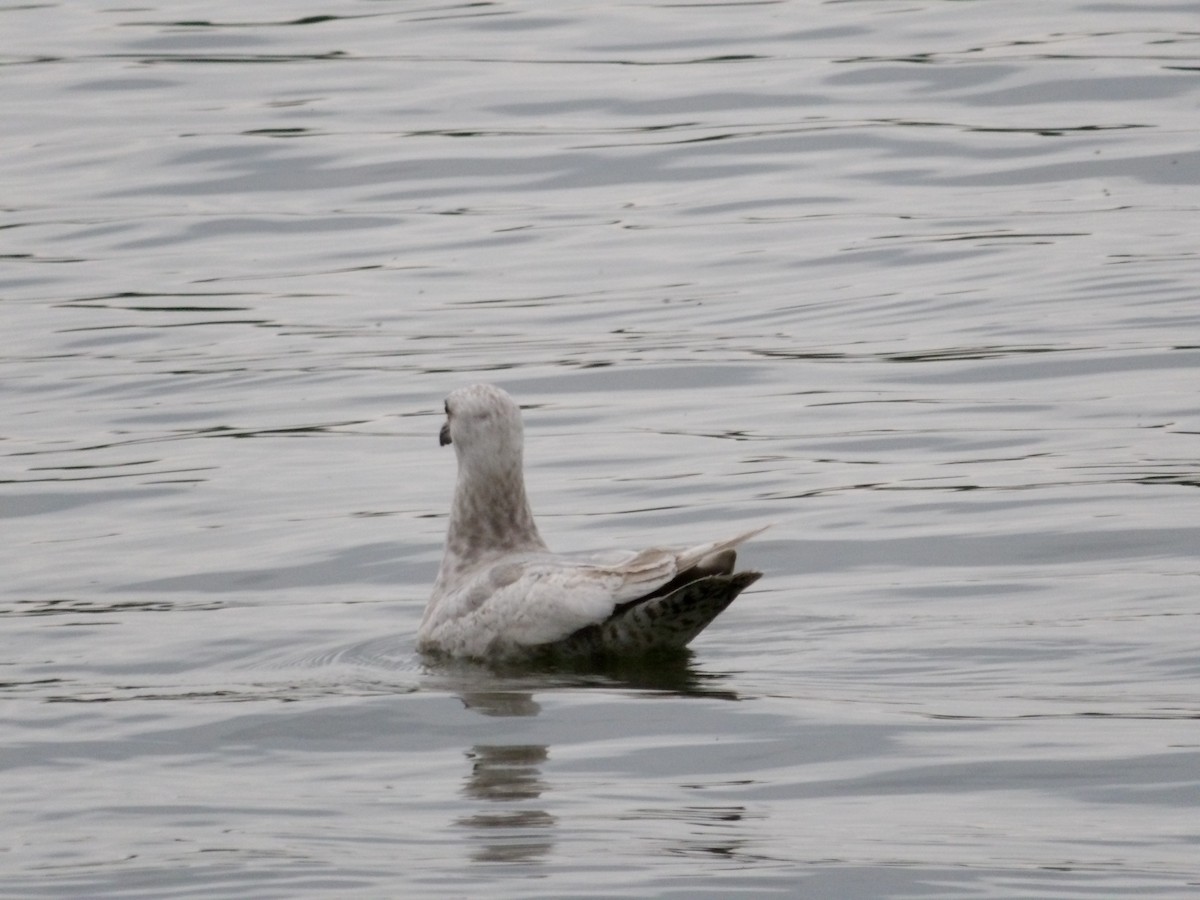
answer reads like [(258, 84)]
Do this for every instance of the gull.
[(502, 595)]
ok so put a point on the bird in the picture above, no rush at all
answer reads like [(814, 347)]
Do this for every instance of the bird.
[(501, 595)]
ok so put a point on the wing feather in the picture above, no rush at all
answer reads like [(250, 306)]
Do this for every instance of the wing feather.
[(519, 603)]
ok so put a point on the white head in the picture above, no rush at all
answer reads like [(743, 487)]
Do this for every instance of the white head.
[(484, 425)]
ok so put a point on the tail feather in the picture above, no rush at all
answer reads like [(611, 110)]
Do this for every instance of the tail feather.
[(660, 622)]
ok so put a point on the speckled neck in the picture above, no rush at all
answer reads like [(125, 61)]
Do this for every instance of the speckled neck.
[(490, 516)]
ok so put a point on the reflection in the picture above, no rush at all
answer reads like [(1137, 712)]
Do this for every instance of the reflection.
[(510, 776), (79, 607), (506, 689), (501, 703), (714, 830), (669, 672), (507, 771), (510, 823)]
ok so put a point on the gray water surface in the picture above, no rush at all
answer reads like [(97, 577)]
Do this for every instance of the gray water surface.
[(916, 282)]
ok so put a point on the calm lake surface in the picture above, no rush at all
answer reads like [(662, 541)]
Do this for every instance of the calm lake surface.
[(918, 282)]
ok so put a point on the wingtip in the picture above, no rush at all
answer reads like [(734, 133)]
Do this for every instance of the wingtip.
[(685, 559)]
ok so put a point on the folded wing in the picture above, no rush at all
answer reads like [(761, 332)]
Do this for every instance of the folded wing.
[(527, 603)]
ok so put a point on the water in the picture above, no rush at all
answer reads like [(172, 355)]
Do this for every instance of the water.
[(916, 282)]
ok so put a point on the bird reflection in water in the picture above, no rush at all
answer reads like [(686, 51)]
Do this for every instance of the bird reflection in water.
[(510, 824), (509, 776)]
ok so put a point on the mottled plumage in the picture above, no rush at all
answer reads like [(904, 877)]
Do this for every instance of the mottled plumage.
[(501, 594)]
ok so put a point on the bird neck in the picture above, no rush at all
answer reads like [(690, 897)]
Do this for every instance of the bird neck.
[(491, 513)]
